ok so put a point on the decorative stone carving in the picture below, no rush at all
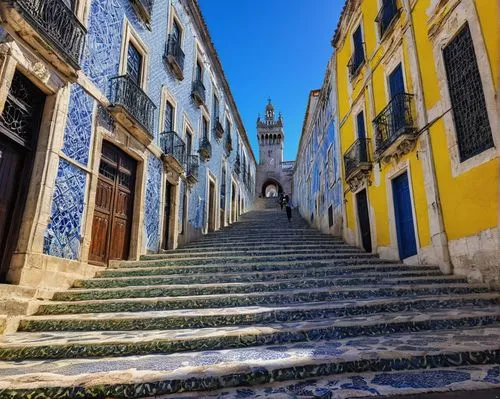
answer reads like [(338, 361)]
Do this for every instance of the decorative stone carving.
[(360, 178), (402, 147)]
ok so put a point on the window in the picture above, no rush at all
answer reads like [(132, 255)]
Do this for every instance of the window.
[(176, 32), (472, 125), (169, 117), (358, 57), (199, 71), (331, 171), (215, 109), (204, 127), (189, 142), (360, 125), (134, 64), (228, 127)]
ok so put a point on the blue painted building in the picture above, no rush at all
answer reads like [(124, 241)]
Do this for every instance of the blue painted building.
[(317, 184), (134, 142)]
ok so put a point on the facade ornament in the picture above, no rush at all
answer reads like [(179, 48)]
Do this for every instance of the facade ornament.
[(362, 177)]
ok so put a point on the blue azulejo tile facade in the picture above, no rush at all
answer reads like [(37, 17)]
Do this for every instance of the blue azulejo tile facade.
[(113, 27), (317, 176)]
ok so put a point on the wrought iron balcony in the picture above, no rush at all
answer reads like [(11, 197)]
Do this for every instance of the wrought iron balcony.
[(198, 92), (174, 150), (356, 62), (192, 168), (218, 129), (50, 27), (387, 14), (357, 163), (144, 8), (174, 56), (205, 149), (395, 127), (132, 107)]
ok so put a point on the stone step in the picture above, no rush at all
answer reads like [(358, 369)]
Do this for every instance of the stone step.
[(352, 279), (259, 247), (478, 382), (149, 375), (178, 290), (311, 316), (266, 297), (254, 252), (316, 269), (377, 278), (258, 243), (251, 264)]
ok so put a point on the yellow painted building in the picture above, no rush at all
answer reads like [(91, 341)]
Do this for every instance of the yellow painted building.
[(419, 131)]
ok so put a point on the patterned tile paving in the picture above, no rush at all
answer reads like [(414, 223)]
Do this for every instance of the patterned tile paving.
[(62, 238)]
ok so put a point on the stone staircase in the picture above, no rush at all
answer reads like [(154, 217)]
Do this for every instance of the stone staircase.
[(262, 309)]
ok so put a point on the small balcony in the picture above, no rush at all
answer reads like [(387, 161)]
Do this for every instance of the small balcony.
[(132, 107), (51, 28), (174, 151), (357, 163), (388, 13), (356, 62), (193, 165), (174, 56), (218, 129), (144, 9), (198, 92), (205, 150), (395, 128)]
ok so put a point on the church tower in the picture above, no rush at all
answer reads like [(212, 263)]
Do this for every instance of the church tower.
[(273, 175), (271, 137)]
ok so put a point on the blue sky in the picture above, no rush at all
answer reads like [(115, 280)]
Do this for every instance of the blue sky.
[(273, 48)]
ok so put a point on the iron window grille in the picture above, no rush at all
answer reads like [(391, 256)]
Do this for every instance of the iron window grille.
[(174, 55), (57, 23), (205, 150), (127, 94), (356, 155), (198, 91), (218, 129), (395, 120), (386, 16), (470, 115), (171, 144)]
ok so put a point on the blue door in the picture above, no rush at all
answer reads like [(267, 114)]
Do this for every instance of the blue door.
[(397, 88), (407, 244)]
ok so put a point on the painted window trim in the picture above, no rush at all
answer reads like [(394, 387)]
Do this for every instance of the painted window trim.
[(131, 36)]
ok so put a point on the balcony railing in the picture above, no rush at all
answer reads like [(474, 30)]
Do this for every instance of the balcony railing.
[(356, 62), (198, 92), (387, 14), (56, 23), (193, 165), (205, 149), (394, 121), (356, 157), (218, 129), (127, 94), (175, 56), (173, 146), (145, 9)]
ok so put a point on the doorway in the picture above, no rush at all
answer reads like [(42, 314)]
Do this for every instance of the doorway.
[(211, 206), (167, 214), (233, 203), (405, 230), (113, 206), (19, 129), (364, 220)]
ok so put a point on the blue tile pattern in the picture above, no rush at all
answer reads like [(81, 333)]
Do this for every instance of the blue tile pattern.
[(62, 237), (78, 126), (152, 204)]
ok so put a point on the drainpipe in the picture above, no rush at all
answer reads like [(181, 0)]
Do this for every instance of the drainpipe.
[(438, 231)]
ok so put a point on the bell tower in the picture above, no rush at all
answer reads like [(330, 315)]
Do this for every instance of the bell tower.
[(271, 137)]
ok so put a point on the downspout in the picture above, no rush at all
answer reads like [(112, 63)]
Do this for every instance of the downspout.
[(438, 232)]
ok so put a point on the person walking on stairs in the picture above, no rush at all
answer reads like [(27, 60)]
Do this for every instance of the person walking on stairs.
[(288, 207)]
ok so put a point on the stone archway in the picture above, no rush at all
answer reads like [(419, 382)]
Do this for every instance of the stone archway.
[(271, 188)]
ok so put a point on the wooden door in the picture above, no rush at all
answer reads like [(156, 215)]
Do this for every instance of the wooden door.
[(19, 128), (364, 220), (113, 206), (405, 229), (211, 207), (167, 213)]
